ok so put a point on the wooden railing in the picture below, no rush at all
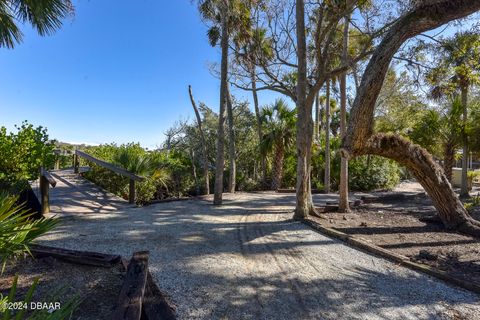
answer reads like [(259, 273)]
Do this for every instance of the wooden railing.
[(46, 180), (133, 177)]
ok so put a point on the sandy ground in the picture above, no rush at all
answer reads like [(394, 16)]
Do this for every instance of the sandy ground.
[(248, 260)]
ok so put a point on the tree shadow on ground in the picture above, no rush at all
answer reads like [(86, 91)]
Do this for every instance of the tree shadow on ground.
[(243, 261)]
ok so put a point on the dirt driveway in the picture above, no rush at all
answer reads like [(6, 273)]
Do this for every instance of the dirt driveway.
[(248, 260)]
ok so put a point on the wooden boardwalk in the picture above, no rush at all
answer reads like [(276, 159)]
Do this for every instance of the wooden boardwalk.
[(75, 195)]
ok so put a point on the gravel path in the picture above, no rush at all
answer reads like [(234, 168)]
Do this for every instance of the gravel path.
[(248, 260)]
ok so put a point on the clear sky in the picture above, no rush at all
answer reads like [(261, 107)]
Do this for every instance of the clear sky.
[(118, 71)]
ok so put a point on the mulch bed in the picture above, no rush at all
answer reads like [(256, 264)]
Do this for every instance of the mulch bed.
[(408, 226), (106, 286), (98, 287)]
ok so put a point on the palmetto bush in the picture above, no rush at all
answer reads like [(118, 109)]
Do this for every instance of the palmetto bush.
[(17, 229), (17, 232), (164, 173)]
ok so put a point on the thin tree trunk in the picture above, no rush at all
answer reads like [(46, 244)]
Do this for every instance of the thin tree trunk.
[(448, 159), (322, 114), (232, 163), (326, 180), (304, 205), (220, 161), (464, 187), (278, 166), (204, 143), (263, 161), (343, 188), (316, 129), (194, 171)]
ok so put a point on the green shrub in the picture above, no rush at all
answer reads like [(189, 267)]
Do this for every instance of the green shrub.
[(22, 153), (368, 173), (168, 174), (145, 191), (248, 185)]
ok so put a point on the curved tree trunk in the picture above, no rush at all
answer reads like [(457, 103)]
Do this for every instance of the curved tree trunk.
[(232, 163), (429, 174), (304, 205), (220, 161), (343, 187), (278, 166), (448, 159), (427, 15), (204, 143), (326, 180)]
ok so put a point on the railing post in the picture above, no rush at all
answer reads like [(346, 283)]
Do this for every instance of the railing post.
[(44, 193), (75, 163), (57, 153), (131, 193)]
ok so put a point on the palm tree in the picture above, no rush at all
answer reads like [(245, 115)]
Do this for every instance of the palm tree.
[(441, 130), (45, 16), (458, 67), (224, 17), (279, 134)]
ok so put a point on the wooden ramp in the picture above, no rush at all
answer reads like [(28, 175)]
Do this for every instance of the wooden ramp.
[(74, 195)]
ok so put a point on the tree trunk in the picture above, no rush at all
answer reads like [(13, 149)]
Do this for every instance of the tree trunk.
[(343, 188), (326, 180), (426, 16), (194, 171), (220, 161), (263, 161), (304, 205), (464, 187), (429, 174), (278, 166), (316, 130), (204, 143), (231, 145), (448, 159)]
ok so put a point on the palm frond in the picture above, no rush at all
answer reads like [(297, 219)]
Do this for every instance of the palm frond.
[(10, 34), (17, 229)]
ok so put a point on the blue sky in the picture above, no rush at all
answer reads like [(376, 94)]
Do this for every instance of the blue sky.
[(117, 71)]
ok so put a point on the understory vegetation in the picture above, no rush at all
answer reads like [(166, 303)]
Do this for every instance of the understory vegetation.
[(175, 169)]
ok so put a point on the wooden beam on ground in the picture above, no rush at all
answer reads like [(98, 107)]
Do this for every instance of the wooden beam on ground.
[(130, 301), (155, 305), (109, 166), (395, 257), (80, 257)]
